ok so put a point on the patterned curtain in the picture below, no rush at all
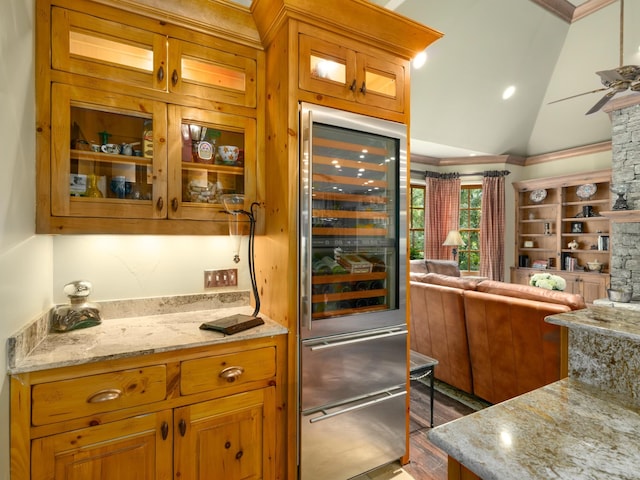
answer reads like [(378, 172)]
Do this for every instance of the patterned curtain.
[(442, 213), (492, 226)]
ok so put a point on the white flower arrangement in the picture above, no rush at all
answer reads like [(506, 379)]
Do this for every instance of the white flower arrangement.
[(548, 281)]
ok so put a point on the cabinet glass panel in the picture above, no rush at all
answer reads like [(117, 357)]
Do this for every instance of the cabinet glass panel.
[(212, 162), (111, 156), (354, 222), (207, 73), (120, 53), (328, 69), (381, 83)]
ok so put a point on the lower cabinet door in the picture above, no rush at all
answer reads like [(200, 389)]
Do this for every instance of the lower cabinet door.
[(230, 438), (138, 448)]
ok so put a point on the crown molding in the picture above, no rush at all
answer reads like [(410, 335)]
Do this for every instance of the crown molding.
[(569, 153), (569, 12)]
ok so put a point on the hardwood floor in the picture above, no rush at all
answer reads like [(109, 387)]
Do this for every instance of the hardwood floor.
[(427, 461)]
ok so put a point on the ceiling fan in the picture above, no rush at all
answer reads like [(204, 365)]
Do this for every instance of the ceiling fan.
[(616, 80)]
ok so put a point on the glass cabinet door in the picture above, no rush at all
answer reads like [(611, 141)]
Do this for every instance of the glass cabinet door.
[(108, 155), (354, 204), (216, 75), (210, 154), (108, 50)]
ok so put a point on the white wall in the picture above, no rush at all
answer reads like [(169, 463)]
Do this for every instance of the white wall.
[(25, 259), (33, 268)]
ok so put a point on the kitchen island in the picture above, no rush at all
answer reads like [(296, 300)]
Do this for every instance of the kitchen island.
[(586, 426)]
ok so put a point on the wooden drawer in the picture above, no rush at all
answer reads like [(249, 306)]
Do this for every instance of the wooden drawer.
[(209, 373), (79, 397)]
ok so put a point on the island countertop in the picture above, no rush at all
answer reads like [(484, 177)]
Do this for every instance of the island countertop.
[(133, 336), (565, 430)]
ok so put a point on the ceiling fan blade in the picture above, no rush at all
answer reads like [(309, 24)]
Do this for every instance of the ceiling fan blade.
[(602, 102), (578, 95)]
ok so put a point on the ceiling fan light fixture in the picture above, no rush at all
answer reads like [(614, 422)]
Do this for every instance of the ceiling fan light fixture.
[(508, 92)]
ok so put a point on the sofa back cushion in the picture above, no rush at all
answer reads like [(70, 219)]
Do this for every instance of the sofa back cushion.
[(444, 267), (418, 266), (573, 300), (446, 280), (512, 349), (438, 330)]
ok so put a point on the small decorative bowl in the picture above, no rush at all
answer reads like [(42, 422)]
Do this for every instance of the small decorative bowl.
[(622, 296), (228, 154), (594, 266)]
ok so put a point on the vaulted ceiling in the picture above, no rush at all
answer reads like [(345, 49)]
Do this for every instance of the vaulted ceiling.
[(547, 49)]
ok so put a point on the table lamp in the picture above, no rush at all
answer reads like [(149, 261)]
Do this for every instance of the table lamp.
[(453, 240)]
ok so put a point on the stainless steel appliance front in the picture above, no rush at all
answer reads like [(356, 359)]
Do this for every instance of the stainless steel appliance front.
[(352, 313)]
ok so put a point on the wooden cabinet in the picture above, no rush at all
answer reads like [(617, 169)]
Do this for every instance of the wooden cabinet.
[(333, 66), (559, 228), (124, 50), (151, 123), (202, 413)]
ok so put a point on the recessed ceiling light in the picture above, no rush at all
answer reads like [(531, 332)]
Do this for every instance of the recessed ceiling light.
[(508, 92), (420, 59)]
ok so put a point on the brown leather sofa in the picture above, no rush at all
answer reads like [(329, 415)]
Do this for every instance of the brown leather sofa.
[(489, 337)]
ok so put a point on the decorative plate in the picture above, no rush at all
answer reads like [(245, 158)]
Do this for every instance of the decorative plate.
[(537, 196), (586, 191)]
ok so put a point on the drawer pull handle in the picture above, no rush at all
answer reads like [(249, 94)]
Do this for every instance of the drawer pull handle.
[(174, 78), (230, 374), (174, 204), (105, 395), (160, 204), (353, 85), (183, 427), (164, 429), (363, 88), (160, 73)]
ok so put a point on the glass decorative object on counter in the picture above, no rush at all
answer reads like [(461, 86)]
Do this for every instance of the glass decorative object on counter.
[(621, 201), (79, 313)]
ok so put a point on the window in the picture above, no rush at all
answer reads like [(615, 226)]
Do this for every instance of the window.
[(416, 222), (470, 211)]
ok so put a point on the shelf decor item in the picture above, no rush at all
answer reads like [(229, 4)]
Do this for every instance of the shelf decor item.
[(548, 281), (537, 196), (621, 202), (586, 191), (576, 227)]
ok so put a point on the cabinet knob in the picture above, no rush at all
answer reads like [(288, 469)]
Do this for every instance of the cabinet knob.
[(353, 85), (164, 429), (230, 374), (363, 88), (183, 427), (105, 395), (174, 204), (160, 73), (160, 203), (174, 78)]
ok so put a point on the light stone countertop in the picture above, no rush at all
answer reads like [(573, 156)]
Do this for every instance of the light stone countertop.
[(126, 337), (605, 320), (565, 430)]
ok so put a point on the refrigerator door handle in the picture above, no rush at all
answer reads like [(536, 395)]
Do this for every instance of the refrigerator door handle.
[(329, 344), (327, 416), (306, 217)]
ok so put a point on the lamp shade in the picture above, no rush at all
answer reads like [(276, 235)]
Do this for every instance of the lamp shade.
[(453, 239)]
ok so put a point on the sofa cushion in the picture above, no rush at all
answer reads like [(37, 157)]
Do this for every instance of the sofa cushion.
[(438, 330), (418, 266), (446, 280), (527, 292), (444, 267)]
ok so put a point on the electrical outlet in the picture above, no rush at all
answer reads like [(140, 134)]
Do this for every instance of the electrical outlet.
[(221, 278)]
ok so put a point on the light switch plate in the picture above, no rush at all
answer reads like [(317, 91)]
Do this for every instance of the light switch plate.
[(221, 278)]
